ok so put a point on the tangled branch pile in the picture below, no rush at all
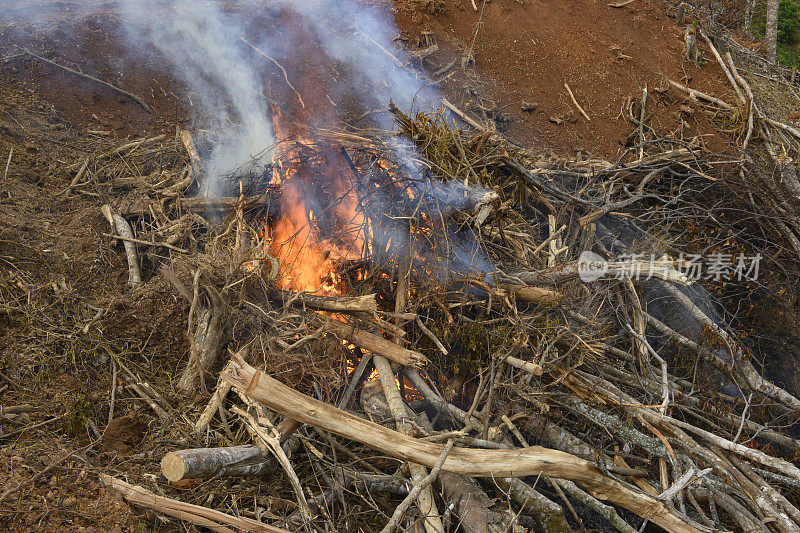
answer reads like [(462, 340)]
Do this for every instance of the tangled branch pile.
[(500, 391)]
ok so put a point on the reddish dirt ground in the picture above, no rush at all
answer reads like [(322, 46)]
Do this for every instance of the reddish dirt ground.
[(527, 51)]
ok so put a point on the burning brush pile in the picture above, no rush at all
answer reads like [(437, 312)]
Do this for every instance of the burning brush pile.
[(397, 325)]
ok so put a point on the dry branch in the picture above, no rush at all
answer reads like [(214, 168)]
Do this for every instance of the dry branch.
[(144, 105), (121, 226), (195, 514), (701, 95), (364, 304)]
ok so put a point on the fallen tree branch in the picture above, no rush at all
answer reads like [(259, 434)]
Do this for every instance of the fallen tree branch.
[(195, 514), (701, 95), (121, 226), (376, 344), (365, 304), (415, 492)]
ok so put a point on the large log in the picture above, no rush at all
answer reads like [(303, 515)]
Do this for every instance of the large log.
[(377, 344), (531, 461)]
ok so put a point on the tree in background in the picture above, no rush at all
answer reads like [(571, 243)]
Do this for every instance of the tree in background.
[(748, 15), (771, 30)]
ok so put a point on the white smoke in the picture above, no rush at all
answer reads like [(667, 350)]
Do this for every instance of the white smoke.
[(204, 48)]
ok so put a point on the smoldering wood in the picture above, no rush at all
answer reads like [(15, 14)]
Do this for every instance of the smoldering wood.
[(345, 304)]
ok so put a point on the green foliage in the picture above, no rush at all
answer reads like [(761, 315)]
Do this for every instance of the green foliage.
[(788, 56), (788, 27), (788, 21)]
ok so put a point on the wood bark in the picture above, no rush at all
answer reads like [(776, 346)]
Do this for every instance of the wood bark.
[(473, 506), (345, 304), (123, 229), (205, 348), (216, 462), (771, 31), (521, 462), (548, 515), (419, 474)]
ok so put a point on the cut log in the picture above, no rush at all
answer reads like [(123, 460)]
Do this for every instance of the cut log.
[(377, 344), (521, 462), (216, 462), (525, 293)]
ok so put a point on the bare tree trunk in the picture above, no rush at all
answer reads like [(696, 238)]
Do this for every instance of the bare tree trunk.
[(771, 33), (748, 16)]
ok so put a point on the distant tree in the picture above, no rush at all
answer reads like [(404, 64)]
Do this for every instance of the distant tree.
[(748, 15), (771, 30)]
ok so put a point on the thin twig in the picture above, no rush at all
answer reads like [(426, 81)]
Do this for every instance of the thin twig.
[(132, 96), (285, 74), (147, 243), (49, 467), (574, 101), (8, 163), (426, 482)]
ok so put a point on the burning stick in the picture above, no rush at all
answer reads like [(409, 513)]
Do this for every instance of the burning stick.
[(377, 344), (342, 304)]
